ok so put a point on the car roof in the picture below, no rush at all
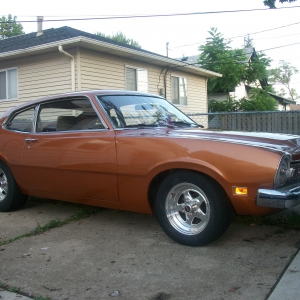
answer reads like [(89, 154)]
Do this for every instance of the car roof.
[(87, 93)]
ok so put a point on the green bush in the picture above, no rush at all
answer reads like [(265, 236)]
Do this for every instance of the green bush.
[(259, 100)]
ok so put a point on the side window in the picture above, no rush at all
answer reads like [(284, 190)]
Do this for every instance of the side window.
[(136, 79), (22, 121), (68, 115), (179, 90)]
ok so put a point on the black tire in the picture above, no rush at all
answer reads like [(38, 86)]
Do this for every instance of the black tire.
[(192, 208), (11, 197)]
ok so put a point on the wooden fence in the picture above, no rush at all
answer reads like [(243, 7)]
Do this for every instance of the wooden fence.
[(275, 121)]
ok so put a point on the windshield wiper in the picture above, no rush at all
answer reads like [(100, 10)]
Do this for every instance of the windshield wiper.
[(184, 123), (141, 125), (172, 124)]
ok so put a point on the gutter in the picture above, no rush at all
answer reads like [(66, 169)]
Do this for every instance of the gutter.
[(61, 50)]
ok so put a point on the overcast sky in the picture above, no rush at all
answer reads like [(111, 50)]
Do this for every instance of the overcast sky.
[(153, 33)]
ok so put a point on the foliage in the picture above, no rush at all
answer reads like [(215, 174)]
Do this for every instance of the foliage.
[(283, 75), (13, 289), (229, 105), (294, 94), (84, 212), (290, 221), (271, 3), (248, 42), (259, 100), (41, 298), (9, 27), (217, 56), (120, 38)]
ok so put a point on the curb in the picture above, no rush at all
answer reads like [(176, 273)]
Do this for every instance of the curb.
[(7, 295), (288, 288)]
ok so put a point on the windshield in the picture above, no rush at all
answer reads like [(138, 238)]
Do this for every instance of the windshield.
[(143, 111)]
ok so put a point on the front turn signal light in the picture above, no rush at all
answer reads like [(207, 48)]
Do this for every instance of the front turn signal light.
[(237, 190)]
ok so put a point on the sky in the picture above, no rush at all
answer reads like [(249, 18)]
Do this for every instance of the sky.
[(272, 30)]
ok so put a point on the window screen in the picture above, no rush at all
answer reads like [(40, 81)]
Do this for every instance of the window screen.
[(8, 84), (136, 79), (179, 90)]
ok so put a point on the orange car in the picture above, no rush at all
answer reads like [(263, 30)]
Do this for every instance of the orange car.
[(137, 152)]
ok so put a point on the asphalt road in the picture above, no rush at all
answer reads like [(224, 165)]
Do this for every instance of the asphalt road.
[(122, 255)]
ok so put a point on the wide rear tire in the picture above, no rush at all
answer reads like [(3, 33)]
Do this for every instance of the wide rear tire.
[(11, 197), (192, 208)]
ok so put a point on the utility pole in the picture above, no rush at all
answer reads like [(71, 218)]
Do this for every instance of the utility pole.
[(167, 48)]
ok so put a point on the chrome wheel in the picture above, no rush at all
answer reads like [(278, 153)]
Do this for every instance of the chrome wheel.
[(3, 185), (187, 208)]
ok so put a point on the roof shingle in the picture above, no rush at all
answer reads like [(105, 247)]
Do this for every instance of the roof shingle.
[(29, 40)]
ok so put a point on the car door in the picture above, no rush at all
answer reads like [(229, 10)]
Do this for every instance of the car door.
[(71, 153)]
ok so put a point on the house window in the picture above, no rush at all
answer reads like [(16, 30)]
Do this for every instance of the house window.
[(179, 90), (136, 79), (8, 84)]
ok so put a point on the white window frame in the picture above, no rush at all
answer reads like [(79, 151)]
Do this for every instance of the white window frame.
[(186, 85), (7, 90), (137, 78)]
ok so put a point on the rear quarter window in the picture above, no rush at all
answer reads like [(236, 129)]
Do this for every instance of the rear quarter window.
[(22, 121)]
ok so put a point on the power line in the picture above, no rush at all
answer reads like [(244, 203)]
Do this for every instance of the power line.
[(235, 56), (275, 37), (243, 35), (278, 47), (155, 15), (289, 83), (265, 30)]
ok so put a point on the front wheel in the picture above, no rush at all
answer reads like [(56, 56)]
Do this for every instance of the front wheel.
[(192, 209), (11, 197)]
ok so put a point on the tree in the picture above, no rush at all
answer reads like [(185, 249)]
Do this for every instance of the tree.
[(9, 27), (283, 75), (271, 3), (233, 64), (121, 38), (248, 42)]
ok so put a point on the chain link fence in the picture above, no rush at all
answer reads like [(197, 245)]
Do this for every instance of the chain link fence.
[(270, 121)]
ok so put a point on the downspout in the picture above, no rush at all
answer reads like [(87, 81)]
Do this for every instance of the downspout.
[(206, 87), (165, 81), (61, 50)]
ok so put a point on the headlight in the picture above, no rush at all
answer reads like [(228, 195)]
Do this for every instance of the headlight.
[(283, 171)]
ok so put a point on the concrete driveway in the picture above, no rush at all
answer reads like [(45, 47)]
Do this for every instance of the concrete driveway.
[(113, 254)]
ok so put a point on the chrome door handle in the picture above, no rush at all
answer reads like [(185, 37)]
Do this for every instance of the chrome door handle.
[(30, 140)]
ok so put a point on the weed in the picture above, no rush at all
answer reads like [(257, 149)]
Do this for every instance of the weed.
[(41, 298), (84, 212), (14, 289), (291, 221)]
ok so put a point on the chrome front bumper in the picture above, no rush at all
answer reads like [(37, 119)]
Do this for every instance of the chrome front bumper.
[(278, 198)]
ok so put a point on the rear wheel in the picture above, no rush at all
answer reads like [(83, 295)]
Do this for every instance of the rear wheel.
[(11, 197), (192, 209)]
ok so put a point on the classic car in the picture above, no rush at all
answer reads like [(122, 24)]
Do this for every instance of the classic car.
[(137, 152)]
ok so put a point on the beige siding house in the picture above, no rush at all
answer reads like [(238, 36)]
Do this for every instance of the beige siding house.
[(65, 59)]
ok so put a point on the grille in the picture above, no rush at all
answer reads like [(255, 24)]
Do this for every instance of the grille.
[(295, 171)]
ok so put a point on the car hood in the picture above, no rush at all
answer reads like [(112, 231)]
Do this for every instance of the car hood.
[(272, 141)]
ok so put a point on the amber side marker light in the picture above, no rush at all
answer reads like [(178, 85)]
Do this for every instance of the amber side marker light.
[(237, 190)]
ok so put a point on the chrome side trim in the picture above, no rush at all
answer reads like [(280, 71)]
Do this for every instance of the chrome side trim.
[(278, 198)]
